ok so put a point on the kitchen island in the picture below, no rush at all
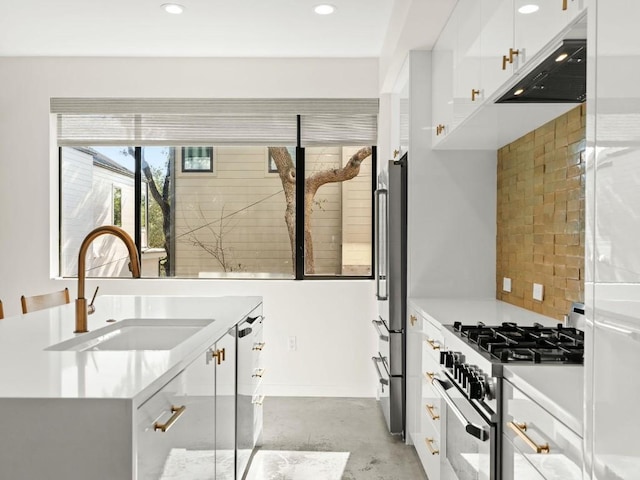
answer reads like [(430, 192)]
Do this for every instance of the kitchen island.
[(78, 412)]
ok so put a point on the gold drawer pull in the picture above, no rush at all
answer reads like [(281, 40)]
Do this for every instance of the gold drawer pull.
[(474, 93), (259, 372), (177, 411), (433, 344), (430, 376), (429, 442), (512, 53), (258, 346), (520, 429), (259, 400), (564, 4), (505, 60), (430, 409), (413, 319)]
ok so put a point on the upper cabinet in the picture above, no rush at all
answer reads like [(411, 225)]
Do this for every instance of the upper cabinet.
[(483, 50)]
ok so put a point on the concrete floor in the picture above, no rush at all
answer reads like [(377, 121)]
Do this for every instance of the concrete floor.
[(353, 425)]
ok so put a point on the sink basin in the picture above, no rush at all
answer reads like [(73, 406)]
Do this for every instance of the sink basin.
[(135, 334)]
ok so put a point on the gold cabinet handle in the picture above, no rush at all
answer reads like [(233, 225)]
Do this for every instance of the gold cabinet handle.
[(433, 344), (259, 372), (176, 411), (258, 346), (429, 442), (396, 153), (512, 53), (432, 413), (564, 4), (430, 376), (520, 429), (474, 93), (439, 129), (219, 356), (505, 60), (413, 319)]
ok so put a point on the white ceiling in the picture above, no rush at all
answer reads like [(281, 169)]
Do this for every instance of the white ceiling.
[(207, 28)]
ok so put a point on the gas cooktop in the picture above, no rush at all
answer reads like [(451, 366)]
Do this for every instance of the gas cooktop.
[(510, 342)]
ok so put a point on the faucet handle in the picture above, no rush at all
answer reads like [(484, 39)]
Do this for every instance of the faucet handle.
[(91, 308)]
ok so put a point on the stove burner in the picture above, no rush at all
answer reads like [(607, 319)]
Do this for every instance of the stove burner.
[(538, 344)]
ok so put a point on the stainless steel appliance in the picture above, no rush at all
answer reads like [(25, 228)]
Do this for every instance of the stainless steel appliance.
[(391, 291), (471, 386)]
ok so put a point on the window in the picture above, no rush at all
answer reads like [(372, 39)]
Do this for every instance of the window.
[(117, 206), (271, 209), (197, 159)]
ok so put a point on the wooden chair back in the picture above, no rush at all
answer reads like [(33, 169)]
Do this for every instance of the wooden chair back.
[(39, 302)]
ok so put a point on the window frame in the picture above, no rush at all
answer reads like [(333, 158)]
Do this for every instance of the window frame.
[(209, 152)]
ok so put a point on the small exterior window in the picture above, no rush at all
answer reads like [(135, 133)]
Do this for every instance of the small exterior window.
[(197, 159)]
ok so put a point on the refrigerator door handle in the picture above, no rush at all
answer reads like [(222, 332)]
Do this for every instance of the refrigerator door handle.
[(381, 243), (383, 381), (381, 336)]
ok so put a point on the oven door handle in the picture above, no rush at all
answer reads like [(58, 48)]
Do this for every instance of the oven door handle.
[(473, 430), (377, 360), (377, 324)]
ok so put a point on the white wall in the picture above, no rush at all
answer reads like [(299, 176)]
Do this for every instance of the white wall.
[(330, 319)]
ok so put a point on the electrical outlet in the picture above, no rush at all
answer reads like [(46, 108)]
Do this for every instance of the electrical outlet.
[(506, 284), (293, 344), (538, 292)]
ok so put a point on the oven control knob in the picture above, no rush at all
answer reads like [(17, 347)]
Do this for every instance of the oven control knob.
[(446, 359), (475, 389)]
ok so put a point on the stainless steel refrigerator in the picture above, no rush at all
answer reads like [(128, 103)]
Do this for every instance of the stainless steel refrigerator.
[(391, 291)]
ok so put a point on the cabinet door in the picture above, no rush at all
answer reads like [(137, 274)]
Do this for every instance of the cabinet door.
[(225, 406), (175, 427), (496, 38), (467, 82), (442, 79), (533, 31)]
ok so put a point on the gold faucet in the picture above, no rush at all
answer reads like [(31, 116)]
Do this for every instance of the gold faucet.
[(82, 310)]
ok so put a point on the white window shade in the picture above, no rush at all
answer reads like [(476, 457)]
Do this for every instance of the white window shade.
[(183, 121)]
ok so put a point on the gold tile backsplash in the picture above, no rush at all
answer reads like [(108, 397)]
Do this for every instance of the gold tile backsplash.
[(540, 216)]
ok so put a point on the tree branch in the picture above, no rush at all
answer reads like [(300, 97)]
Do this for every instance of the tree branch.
[(349, 171)]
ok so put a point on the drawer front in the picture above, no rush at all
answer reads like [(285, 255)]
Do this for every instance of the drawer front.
[(431, 411), (515, 465), (549, 445), (433, 340), (429, 449)]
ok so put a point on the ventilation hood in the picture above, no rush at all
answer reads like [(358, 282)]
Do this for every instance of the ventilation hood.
[(560, 78)]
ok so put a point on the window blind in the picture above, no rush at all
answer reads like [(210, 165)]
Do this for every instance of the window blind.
[(184, 121)]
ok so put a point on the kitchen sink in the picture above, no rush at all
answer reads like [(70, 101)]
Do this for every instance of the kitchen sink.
[(135, 334)]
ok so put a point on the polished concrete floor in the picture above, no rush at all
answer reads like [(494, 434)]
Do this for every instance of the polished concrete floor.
[(330, 439)]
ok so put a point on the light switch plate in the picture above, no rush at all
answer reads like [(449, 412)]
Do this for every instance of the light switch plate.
[(538, 292), (506, 284)]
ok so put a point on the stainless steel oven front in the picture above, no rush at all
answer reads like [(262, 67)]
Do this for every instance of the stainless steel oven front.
[(471, 437)]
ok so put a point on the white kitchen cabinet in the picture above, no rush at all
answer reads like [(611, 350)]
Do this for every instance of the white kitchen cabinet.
[(496, 38), (442, 80), (533, 435)]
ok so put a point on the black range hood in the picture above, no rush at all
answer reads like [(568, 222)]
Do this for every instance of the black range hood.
[(558, 79)]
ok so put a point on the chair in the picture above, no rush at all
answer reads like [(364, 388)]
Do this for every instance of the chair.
[(1, 311), (39, 302)]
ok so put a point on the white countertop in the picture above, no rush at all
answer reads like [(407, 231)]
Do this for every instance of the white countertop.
[(559, 389), (27, 370), (489, 311)]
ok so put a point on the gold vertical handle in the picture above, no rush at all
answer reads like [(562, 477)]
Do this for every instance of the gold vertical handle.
[(430, 376), (396, 153), (520, 429), (564, 4), (429, 442), (223, 354), (505, 60), (474, 93), (176, 411), (433, 344), (432, 413), (513, 53), (413, 319), (439, 129), (219, 356)]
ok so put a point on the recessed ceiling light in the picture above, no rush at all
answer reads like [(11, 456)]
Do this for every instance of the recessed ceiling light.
[(324, 9), (561, 57), (519, 91), (173, 8), (531, 8)]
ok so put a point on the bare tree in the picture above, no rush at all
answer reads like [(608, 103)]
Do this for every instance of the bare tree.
[(287, 172)]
